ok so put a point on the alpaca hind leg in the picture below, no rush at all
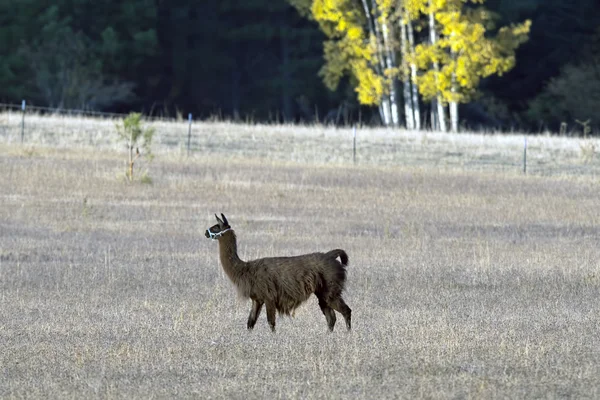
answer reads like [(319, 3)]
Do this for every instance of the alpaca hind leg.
[(254, 313), (329, 314), (271, 315), (340, 306)]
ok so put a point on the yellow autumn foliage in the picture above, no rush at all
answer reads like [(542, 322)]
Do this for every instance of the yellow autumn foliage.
[(349, 48), (464, 52)]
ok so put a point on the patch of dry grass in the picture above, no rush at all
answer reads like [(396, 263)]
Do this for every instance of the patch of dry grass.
[(462, 284), (320, 145)]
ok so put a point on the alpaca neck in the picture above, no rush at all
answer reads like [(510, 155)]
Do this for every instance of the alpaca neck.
[(233, 266)]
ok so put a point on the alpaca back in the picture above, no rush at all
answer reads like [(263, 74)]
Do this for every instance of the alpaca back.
[(289, 281)]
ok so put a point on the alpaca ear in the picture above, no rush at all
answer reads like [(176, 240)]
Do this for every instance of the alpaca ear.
[(224, 219), (218, 220)]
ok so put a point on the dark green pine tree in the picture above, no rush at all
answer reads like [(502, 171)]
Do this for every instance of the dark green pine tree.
[(18, 23), (77, 53), (255, 60), (560, 31)]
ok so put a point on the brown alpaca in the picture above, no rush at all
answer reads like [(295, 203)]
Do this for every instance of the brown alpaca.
[(283, 283)]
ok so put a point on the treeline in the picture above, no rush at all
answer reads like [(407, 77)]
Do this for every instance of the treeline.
[(404, 62), (380, 44)]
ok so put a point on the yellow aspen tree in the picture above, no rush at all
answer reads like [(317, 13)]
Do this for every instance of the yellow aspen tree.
[(408, 103), (361, 43), (385, 110), (350, 49), (417, 10), (413, 74), (383, 10), (464, 53), (408, 11)]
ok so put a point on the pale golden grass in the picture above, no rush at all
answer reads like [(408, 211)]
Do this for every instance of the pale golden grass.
[(463, 284)]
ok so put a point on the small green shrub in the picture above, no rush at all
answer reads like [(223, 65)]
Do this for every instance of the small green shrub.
[(134, 135), (146, 179), (588, 151)]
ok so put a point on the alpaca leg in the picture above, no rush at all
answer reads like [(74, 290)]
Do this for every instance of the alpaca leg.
[(254, 313), (340, 306), (271, 315), (329, 314)]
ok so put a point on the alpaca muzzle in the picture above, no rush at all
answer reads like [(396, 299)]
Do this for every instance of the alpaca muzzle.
[(214, 236)]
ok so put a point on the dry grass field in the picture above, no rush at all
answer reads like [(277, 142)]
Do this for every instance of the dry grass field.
[(466, 279)]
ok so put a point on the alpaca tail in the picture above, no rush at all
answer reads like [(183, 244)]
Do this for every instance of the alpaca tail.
[(341, 254)]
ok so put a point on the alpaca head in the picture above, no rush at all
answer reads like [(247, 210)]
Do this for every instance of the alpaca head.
[(215, 231)]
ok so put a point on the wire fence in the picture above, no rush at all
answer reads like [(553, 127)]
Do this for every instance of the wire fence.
[(26, 108), (314, 144), (35, 125)]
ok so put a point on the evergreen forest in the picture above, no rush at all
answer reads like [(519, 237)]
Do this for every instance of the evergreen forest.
[(531, 65)]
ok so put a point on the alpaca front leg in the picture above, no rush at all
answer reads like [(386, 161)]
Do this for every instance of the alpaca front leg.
[(271, 315), (254, 313)]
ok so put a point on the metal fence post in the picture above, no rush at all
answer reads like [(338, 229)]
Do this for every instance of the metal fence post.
[(22, 121), (354, 145), (189, 133), (525, 156)]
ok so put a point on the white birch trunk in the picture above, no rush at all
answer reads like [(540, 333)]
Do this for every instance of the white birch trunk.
[(413, 80), (368, 16), (454, 115), (376, 31), (384, 108), (435, 126), (453, 104), (436, 68), (408, 104), (390, 61), (441, 114), (384, 111)]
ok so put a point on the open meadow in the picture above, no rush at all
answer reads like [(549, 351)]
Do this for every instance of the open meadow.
[(467, 279)]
